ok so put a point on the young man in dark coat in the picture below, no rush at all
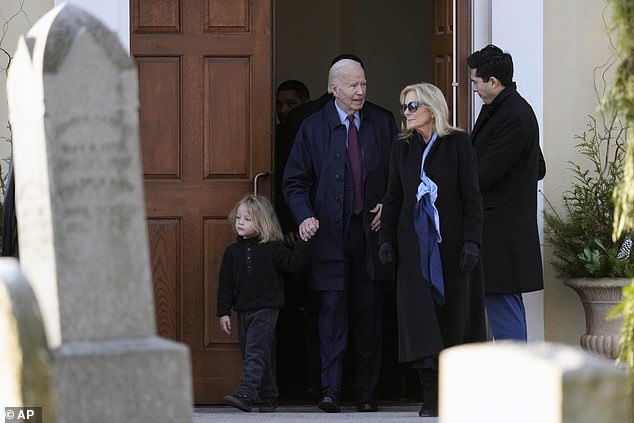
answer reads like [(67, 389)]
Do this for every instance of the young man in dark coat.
[(341, 209), (510, 163)]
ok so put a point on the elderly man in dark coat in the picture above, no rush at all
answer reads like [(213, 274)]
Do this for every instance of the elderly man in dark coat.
[(335, 194), (510, 163)]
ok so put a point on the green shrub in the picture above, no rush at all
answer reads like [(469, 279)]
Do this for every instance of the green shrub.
[(581, 234)]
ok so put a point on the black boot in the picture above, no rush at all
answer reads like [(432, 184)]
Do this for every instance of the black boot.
[(430, 406), (429, 382)]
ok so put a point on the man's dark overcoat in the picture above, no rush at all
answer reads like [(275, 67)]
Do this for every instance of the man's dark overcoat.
[(510, 162), (425, 328), (315, 186)]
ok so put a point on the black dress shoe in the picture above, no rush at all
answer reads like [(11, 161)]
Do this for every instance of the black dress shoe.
[(365, 401), (269, 405), (428, 411), (367, 406), (330, 402), (239, 400)]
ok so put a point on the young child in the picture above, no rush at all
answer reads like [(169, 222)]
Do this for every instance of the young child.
[(251, 284)]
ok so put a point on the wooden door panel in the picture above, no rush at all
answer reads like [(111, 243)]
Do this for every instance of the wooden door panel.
[(165, 235), (227, 120), (227, 15), (442, 49), (443, 76), (156, 16), (159, 83), (205, 114), (443, 54)]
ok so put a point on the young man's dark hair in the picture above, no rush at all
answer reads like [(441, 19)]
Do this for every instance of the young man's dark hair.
[(492, 61)]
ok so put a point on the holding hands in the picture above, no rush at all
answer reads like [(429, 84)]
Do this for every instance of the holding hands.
[(308, 228)]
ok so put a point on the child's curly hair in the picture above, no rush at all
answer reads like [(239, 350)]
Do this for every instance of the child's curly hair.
[(262, 215)]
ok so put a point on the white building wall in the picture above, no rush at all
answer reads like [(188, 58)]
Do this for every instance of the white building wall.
[(575, 43)]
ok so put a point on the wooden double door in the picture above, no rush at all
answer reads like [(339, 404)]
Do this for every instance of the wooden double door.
[(206, 116)]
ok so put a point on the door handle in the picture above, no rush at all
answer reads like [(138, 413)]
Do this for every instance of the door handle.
[(256, 179)]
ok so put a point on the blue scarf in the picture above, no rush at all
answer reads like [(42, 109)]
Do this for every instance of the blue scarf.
[(427, 226)]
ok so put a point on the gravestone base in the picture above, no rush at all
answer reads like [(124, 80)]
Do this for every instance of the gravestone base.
[(517, 382), (114, 380)]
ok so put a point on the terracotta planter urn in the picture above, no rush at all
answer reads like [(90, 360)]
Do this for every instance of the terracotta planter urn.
[(598, 297)]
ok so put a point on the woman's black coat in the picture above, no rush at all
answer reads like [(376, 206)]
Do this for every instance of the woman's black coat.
[(425, 328)]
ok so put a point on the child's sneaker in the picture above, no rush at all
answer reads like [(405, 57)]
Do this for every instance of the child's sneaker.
[(239, 400), (268, 405)]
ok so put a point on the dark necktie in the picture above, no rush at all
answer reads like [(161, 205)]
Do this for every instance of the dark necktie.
[(356, 166)]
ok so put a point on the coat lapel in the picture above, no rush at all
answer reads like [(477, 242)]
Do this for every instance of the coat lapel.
[(488, 110), (485, 112)]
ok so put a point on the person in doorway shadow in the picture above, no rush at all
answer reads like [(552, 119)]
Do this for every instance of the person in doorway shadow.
[(291, 349), (290, 95)]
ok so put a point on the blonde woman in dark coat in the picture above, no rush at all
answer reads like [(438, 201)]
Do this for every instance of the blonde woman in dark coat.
[(432, 228)]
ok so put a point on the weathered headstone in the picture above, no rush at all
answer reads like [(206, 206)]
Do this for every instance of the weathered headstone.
[(26, 370), (83, 238), (528, 383)]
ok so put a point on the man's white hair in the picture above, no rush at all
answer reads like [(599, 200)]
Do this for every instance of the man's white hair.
[(336, 69)]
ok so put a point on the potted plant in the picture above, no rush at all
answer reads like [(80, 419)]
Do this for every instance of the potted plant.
[(587, 258)]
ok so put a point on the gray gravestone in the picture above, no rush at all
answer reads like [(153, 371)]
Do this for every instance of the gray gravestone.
[(83, 238), (530, 383), (25, 361)]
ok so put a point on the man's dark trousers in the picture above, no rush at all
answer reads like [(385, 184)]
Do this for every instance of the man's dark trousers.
[(361, 301)]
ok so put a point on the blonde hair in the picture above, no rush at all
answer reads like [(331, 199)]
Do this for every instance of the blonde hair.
[(432, 98), (262, 215)]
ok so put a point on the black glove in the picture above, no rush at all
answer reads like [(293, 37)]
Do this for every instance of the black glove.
[(386, 253), (469, 256)]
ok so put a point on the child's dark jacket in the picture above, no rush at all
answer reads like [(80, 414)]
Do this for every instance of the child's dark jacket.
[(251, 274)]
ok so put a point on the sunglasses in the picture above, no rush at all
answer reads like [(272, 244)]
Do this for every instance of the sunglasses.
[(412, 106)]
